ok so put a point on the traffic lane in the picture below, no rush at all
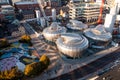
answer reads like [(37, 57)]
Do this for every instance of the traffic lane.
[(85, 70)]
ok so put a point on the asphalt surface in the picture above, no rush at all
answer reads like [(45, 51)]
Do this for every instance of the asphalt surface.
[(90, 68)]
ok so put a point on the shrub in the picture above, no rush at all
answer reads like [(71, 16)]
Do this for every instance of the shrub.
[(4, 43), (12, 74), (26, 38), (33, 69), (45, 60)]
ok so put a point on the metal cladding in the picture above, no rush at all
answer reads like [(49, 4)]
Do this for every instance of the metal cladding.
[(98, 33), (71, 44), (53, 32), (54, 14), (76, 25)]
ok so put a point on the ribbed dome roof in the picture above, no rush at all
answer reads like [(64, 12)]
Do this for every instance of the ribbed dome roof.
[(98, 33), (52, 32), (72, 44), (76, 25)]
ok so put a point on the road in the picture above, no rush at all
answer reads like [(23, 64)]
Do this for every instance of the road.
[(90, 68)]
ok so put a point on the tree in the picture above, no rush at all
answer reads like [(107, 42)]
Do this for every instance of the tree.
[(45, 60), (33, 69), (26, 39), (4, 43), (12, 74)]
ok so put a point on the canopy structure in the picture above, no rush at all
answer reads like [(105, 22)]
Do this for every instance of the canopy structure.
[(53, 32), (76, 25), (98, 37), (71, 44), (98, 33)]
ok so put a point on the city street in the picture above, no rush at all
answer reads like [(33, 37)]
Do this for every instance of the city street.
[(90, 68)]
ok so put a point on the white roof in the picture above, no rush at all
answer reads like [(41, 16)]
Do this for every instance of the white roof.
[(98, 33), (25, 2), (76, 25), (6, 6), (72, 44), (73, 40), (54, 28)]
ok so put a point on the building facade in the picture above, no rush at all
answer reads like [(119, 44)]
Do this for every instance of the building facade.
[(89, 12), (8, 12)]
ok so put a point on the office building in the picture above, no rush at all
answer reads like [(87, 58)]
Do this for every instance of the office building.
[(88, 12)]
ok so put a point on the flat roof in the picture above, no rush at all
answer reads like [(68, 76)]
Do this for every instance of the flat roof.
[(6, 6), (26, 2)]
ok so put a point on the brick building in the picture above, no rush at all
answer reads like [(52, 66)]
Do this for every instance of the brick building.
[(26, 5), (28, 14), (29, 8)]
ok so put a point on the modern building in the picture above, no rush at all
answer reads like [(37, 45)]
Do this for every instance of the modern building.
[(53, 32), (98, 36), (76, 25), (86, 12), (72, 45)]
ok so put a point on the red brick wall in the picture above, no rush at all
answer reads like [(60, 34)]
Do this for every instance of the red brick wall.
[(27, 6)]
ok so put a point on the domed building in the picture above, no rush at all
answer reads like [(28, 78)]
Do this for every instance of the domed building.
[(53, 32), (76, 25), (98, 36), (72, 45)]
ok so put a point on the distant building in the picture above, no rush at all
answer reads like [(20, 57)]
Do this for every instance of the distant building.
[(35, 5), (51, 3), (8, 12), (27, 5), (4, 2), (29, 0), (28, 14), (14, 1), (85, 11)]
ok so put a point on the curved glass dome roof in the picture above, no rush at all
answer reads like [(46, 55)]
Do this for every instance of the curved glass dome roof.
[(72, 44), (98, 33), (76, 25), (53, 32)]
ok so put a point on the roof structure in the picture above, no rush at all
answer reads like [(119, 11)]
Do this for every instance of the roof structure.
[(98, 33), (76, 25), (53, 32), (72, 44)]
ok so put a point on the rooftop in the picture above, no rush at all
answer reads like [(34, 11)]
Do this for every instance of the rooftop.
[(26, 2), (5, 6)]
